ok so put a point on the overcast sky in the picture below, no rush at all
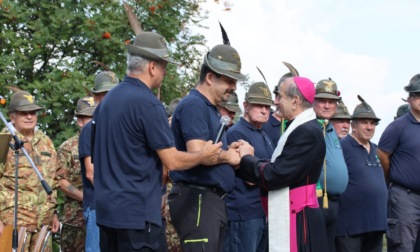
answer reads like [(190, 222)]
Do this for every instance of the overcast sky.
[(370, 48)]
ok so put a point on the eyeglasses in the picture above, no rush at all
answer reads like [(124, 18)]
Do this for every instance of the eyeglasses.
[(369, 163), (415, 95)]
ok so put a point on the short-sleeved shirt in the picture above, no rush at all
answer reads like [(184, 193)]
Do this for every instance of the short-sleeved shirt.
[(85, 151), (273, 129), (244, 202), (337, 175), (363, 205), (197, 119), (131, 125), (400, 139)]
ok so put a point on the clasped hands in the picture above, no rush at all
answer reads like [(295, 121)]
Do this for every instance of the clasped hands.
[(214, 154)]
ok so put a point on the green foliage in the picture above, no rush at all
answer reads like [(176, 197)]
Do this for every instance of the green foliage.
[(47, 48)]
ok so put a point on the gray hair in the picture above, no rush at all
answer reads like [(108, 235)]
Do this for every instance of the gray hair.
[(293, 90), (136, 64)]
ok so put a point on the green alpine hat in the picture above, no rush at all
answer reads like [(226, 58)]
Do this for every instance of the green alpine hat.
[(104, 81), (364, 111), (85, 106), (326, 89), (402, 110), (224, 60), (341, 112), (172, 106), (232, 104), (150, 45), (23, 101), (259, 93), (414, 85)]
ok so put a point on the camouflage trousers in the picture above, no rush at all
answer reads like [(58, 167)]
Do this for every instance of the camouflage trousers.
[(72, 238), (31, 242), (172, 238)]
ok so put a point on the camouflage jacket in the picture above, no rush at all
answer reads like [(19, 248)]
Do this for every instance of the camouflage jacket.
[(35, 207), (69, 169)]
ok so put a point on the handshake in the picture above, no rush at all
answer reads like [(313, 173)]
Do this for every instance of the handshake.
[(213, 154)]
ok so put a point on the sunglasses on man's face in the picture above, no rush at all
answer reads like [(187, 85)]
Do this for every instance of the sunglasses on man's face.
[(415, 95)]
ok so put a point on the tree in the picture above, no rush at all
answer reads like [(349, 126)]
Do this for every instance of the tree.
[(48, 47)]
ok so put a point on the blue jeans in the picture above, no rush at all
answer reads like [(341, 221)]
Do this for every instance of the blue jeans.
[(92, 231), (242, 236)]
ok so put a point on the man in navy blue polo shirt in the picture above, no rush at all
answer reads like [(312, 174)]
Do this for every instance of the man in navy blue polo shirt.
[(247, 220), (398, 150), (104, 81), (132, 142), (230, 108), (362, 206), (196, 203)]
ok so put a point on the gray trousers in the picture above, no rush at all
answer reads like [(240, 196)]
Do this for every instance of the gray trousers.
[(403, 219)]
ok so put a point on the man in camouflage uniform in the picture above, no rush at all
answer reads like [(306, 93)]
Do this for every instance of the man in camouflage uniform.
[(70, 181), (35, 207), (172, 238)]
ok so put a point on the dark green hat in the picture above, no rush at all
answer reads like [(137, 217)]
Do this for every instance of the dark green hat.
[(85, 106), (104, 81), (172, 106), (224, 60), (341, 112), (23, 101), (326, 89), (414, 85), (364, 111), (151, 46), (402, 110), (232, 104), (259, 93)]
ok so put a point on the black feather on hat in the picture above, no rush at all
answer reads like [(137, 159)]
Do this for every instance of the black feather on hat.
[(224, 35), (364, 111)]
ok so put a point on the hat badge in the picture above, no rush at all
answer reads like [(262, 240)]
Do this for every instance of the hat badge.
[(90, 101), (329, 86), (265, 91), (113, 77), (29, 98)]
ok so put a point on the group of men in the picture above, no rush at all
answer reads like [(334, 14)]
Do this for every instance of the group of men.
[(275, 181)]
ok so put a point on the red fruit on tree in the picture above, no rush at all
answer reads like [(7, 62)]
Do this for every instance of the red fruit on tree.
[(106, 35)]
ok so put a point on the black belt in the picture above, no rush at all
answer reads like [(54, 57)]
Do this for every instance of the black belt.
[(219, 192), (393, 184), (334, 197)]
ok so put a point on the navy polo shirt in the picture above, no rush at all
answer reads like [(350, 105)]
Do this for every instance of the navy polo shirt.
[(244, 202), (131, 124), (400, 139), (85, 151), (337, 175), (273, 129), (195, 118), (363, 205)]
